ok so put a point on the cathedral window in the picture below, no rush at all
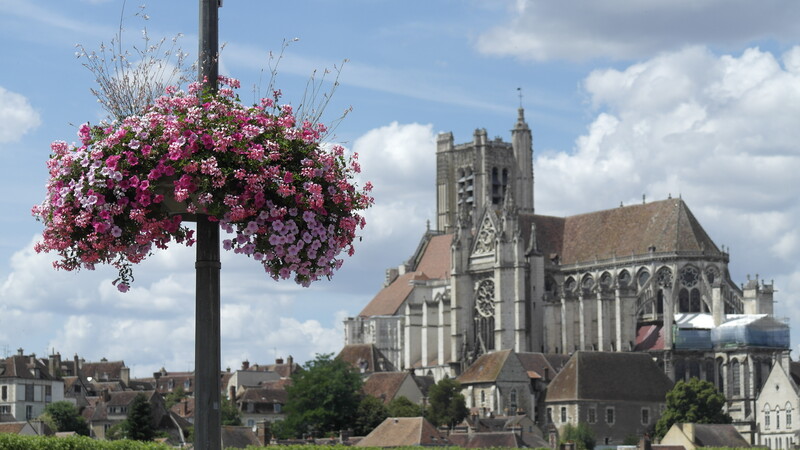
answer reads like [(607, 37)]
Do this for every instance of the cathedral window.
[(694, 369), (588, 282), (690, 276), (683, 301), (695, 302), (512, 400), (664, 277), (624, 279), (711, 274), (643, 277), (680, 370), (660, 302), (497, 187), (484, 315), (720, 376), (569, 285), (736, 379), (605, 280), (766, 417)]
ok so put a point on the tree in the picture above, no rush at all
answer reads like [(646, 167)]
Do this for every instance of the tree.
[(403, 407), (446, 404), (230, 413), (139, 424), (693, 401), (323, 397), (582, 435), (175, 397), (371, 412), (64, 416)]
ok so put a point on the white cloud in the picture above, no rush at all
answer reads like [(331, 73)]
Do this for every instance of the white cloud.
[(17, 116), (543, 30)]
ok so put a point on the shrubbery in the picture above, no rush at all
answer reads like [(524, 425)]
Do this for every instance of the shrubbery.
[(16, 442)]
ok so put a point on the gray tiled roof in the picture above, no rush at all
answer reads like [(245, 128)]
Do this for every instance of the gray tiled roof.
[(616, 376)]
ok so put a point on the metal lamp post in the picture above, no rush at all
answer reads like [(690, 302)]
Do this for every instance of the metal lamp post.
[(207, 423)]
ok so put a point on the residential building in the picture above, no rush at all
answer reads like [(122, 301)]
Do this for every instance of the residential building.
[(404, 432), (778, 405), (388, 386), (618, 394), (27, 387), (696, 435)]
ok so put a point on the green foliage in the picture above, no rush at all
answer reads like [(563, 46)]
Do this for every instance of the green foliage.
[(446, 404), (64, 416), (116, 432), (582, 435), (693, 401), (175, 396), (230, 413), (322, 398), (139, 424), (371, 412), (15, 442), (403, 407)]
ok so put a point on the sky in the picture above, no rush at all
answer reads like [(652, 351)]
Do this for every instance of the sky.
[(626, 100)]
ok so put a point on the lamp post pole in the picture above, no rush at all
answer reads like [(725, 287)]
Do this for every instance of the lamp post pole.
[(207, 423)]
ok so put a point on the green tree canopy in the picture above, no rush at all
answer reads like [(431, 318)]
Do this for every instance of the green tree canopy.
[(371, 412), (403, 407), (323, 397), (175, 396), (65, 417), (693, 401), (139, 424), (582, 435), (446, 404), (230, 414)]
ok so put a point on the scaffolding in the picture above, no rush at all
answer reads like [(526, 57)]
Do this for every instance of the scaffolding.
[(751, 330)]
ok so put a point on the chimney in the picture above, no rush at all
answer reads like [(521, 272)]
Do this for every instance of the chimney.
[(125, 375), (290, 361), (77, 366), (20, 352), (106, 395), (245, 364), (232, 393), (263, 432), (278, 360)]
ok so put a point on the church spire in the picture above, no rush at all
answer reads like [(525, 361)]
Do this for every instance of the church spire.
[(522, 142)]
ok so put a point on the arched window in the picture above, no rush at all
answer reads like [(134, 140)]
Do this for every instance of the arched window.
[(512, 401), (680, 370), (695, 306), (683, 300), (643, 277), (720, 376), (497, 187), (767, 413), (624, 279), (484, 315), (788, 415), (694, 369), (736, 378)]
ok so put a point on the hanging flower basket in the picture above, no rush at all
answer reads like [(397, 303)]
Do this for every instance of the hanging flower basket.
[(288, 202)]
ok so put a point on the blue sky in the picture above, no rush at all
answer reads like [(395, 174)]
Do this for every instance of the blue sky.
[(657, 98)]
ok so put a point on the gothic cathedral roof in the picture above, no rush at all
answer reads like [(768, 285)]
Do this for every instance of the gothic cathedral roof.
[(662, 226)]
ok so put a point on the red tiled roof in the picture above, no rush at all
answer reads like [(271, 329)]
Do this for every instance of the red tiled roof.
[(434, 263), (486, 368), (384, 385), (403, 432)]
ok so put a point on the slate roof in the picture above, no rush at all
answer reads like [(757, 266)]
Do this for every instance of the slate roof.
[(401, 432), (541, 364), (434, 263), (238, 437), (356, 354), (794, 371), (613, 376), (494, 439), (667, 225), (20, 366), (486, 368), (715, 435), (384, 385), (12, 427), (267, 394), (103, 370)]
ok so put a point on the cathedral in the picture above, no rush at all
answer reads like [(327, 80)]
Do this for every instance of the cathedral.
[(495, 275)]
